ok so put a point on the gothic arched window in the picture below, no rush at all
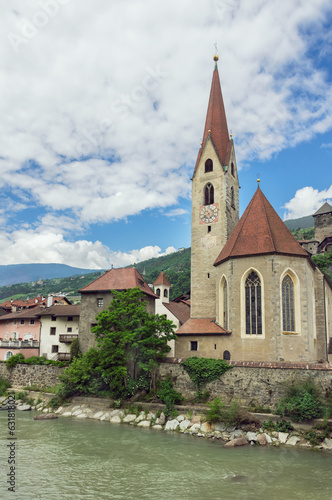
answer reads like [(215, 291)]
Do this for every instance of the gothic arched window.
[(225, 308), (288, 313), (158, 292), (209, 165), (165, 292), (253, 304), (208, 194)]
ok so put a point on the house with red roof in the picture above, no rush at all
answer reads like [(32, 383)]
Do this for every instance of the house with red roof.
[(256, 295), (20, 329), (97, 296), (177, 311)]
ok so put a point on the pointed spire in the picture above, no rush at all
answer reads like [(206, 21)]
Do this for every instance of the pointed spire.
[(216, 123)]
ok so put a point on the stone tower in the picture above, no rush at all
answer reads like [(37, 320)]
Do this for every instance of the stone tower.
[(323, 222), (215, 202)]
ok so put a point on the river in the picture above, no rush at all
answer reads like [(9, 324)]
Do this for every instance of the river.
[(86, 459)]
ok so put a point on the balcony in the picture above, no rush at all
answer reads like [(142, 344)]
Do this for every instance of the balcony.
[(20, 344), (63, 356), (67, 338)]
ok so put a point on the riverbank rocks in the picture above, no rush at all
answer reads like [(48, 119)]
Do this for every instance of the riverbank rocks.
[(223, 434)]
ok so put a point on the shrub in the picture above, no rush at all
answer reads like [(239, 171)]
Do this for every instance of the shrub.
[(4, 385), (302, 402), (170, 397), (75, 349), (14, 360), (214, 413), (281, 426)]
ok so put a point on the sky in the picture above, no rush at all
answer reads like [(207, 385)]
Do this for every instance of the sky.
[(103, 106)]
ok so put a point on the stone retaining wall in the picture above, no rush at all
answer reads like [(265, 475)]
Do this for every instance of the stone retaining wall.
[(251, 384), (24, 375)]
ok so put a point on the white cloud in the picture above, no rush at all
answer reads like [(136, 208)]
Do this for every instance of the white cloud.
[(176, 212), (306, 201), (26, 246), (102, 106)]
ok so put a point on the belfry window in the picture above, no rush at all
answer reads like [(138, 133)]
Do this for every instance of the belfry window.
[(209, 165), (158, 292), (232, 169), (288, 315), (253, 304), (165, 293), (208, 194)]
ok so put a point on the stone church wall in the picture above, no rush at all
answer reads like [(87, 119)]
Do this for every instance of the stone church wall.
[(249, 383)]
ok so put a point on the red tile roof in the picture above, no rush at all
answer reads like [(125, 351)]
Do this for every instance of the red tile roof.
[(162, 280), (260, 231), (26, 313), (60, 311), (201, 326), (119, 279), (180, 310), (216, 122)]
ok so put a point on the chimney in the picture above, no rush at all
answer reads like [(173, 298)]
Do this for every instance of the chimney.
[(49, 300)]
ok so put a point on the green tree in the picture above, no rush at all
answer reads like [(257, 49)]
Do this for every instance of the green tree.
[(131, 340)]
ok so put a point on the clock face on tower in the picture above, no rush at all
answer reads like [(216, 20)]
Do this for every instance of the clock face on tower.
[(208, 214)]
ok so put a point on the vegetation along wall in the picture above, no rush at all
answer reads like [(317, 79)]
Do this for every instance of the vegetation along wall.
[(251, 384)]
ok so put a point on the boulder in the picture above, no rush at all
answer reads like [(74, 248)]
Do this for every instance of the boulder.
[(23, 407), (283, 436), (206, 427), (144, 423), (46, 416), (172, 425), (129, 418), (262, 439), (161, 420), (98, 415), (327, 444), (67, 414), (180, 418), (184, 425), (159, 427), (293, 440), (81, 415), (237, 442), (106, 416), (251, 436), (116, 419)]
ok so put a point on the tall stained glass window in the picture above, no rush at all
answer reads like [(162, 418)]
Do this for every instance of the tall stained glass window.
[(288, 315), (253, 300)]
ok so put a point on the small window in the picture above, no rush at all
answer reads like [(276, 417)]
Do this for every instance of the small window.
[(227, 356), (53, 318), (100, 302), (215, 346), (69, 329), (165, 293), (8, 355), (232, 197), (194, 345), (208, 275), (209, 229), (32, 321), (21, 321), (55, 348), (70, 318), (15, 322), (209, 165), (7, 322), (232, 169), (52, 330), (158, 292)]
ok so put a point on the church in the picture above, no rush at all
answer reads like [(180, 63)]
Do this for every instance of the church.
[(256, 295)]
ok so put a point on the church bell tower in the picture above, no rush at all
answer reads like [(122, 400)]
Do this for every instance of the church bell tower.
[(215, 202)]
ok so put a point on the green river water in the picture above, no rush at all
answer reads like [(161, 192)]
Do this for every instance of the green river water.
[(84, 459)]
